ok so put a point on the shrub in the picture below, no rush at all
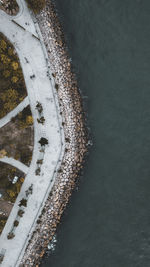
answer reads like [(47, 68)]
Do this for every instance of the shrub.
[(3, 220), (39, 107), (41, 120), (56, 86), (23, 202), (20, 213), (10, 236), (29, 120), (38, 171), (40, 161), (43, 141), (36, 5), (16, 223)]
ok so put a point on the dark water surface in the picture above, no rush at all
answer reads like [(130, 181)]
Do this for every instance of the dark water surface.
[(107, 223)]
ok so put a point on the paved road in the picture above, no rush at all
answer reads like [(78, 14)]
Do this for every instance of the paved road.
[(40, 89)]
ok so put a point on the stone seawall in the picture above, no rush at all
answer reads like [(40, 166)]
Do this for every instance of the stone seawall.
[(75, 136)]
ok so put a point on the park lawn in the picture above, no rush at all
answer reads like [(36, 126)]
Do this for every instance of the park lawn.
[(12, 84)]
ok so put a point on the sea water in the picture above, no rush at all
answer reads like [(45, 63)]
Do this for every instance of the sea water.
[(107, 222)]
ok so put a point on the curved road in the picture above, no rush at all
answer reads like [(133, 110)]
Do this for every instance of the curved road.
[(20, 30)]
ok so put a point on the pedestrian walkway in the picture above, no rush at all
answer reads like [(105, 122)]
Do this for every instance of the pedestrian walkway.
[(40, 89)]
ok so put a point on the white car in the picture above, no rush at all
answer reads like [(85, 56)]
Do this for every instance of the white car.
[(14, 181)]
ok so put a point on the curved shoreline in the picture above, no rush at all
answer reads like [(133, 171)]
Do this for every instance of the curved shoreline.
[(75, 136), (40, 90)]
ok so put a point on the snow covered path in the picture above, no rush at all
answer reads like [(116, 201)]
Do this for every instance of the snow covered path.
[(16, 163), (14, 112), (40, 88)]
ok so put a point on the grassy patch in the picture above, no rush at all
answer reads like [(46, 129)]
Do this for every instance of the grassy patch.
[(12, 89), (3, 220)]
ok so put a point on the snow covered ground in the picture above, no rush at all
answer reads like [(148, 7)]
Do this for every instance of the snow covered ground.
[(40, 88)]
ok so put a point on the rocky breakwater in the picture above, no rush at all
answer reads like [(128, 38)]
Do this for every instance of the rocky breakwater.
[(75, 136)]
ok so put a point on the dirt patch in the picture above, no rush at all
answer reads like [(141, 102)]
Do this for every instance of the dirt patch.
[(10, 7), (17, 137), (8, 190), (5, 207)]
